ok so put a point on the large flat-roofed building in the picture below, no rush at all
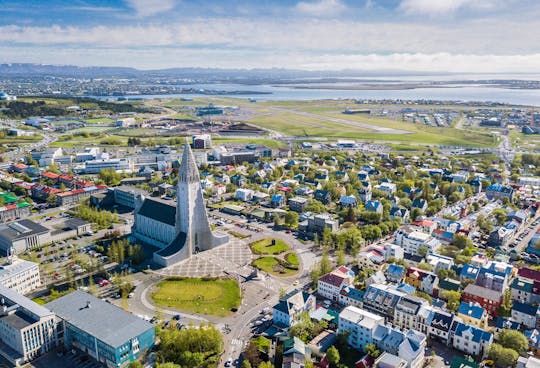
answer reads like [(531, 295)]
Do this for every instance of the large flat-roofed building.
[(125, 195), (18, 237), (118, 164), (20, 275), (107, 333), (27, 329)]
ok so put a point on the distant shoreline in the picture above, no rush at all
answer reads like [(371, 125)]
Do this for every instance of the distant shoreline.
[(369, 87)]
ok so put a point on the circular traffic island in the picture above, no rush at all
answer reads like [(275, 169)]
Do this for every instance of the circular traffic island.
[(275, 266)]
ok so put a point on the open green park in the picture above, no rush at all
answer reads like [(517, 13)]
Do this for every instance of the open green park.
[(204, 296), (277, 257)]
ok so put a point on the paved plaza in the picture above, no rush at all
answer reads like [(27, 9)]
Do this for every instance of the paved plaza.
[(234, 257)]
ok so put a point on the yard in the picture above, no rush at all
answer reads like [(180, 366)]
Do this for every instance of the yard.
[(265, 246), (274, 266), (205, 296)]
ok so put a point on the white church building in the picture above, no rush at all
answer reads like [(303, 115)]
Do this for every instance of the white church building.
[(178, 231)]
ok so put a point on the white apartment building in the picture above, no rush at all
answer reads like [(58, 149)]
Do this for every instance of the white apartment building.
[(329, 286), (360, 324), (118, 164), (20, 275), (244, 195), (26, 328), (412, 240)]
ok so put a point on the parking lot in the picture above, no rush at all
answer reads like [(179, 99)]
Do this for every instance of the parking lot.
[(67, 360)]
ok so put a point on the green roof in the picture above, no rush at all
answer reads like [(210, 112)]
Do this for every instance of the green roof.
[(8, 198), (233, 207), (460, 362), (23, 204)]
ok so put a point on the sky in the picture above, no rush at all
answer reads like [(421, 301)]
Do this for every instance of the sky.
[(471, 36)]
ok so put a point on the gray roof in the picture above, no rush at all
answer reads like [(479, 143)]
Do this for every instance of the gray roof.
[(21, 229), (18, 320), (158, 210), (76, 222), (104, 321), (11, 297)]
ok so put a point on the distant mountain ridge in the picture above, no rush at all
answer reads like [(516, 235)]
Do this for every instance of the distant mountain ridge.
[(34, 70)]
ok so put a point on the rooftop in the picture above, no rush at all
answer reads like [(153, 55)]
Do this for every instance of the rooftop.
[(106, 322)]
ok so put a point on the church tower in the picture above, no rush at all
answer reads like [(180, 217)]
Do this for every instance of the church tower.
[(191, 217)]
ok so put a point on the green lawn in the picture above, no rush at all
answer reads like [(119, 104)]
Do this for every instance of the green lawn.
[(267, 142), (273, 266), (99, 120), (205, 296), (265, 246), (292, 258)]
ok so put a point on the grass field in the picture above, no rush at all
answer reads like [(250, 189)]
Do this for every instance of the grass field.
[(265, 246), (267, 142), (92, 129), (292, 258), (271, 265), (213, 297), (99, 120)]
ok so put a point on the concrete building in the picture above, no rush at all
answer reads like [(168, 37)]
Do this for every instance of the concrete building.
[(297, 204), (360, 325), (126, 195), (202, 141), (412, 241), (117, 164), (107, 333), (20, 275), (27, 329), (18, 237), (329, 286), (192, 228)]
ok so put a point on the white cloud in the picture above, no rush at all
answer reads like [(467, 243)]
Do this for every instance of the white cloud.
[(445, 7), (321, 8), (145, 8)]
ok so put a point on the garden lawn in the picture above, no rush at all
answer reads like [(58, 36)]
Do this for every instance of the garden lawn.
[(265, 246), (204, 296), (271, 265), (292, 258)]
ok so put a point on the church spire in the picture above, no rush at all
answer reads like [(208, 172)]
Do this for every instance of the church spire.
[(188, 172)]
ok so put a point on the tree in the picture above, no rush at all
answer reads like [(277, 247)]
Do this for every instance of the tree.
[(135, 364), (245, 364), (251, 354), (505, 309), (453, 299), (503, 357), (325, 265), (332, 354), (513, 339), (110, 176), (291, 219), (423, 251), (266, 365), (462, 241), (340, 257), (372, 351), (168, 365), (52, 200)]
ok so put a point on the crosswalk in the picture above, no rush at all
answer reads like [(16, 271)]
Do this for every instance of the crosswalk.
[(237, 342)]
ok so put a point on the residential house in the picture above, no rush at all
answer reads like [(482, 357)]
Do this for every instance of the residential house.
[(375, 278), (330, 285), (469, 272), (295, 353), (473, 314), (388, 188), (407, 312), (322, 196), (277, 200), (500, 236), (471, 340), (382, 299), (348, 295), (422, 280), (395, 273), (243, 194), (297, 204), (489, 299), (348, 201), (286, 312), (525, 314), (365, 191), (374, 206), (499, 191), (420, 203), (399, 213), (525, 290), (408, 345), (440, 324)]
